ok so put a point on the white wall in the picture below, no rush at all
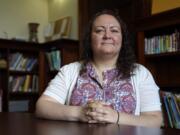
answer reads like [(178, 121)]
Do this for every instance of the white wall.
[(62, 8), (15, 15)]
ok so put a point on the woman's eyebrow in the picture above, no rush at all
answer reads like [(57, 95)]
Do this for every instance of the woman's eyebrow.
[(105, 27), (115, 27), (99, 26)]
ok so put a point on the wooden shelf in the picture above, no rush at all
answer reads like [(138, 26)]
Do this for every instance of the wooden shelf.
[(15, 72), (25, 94), (165, 67), (40, 72), (167, 54)]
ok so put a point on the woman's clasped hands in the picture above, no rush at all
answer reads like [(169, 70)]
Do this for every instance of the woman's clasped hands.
[(100, 112)]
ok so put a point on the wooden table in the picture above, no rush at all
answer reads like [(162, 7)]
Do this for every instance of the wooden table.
[(27, 124)]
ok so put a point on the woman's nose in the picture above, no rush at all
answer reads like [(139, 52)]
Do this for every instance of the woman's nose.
[(107, 34)]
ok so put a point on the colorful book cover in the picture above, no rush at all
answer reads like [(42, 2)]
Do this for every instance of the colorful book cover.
[(168, 111)]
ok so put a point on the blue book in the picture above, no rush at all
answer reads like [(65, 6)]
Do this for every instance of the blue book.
[(175, 113), (168, 112), (16, 62), (31, 64)]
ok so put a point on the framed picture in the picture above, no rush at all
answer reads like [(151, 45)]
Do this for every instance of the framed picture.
[(58, 29)]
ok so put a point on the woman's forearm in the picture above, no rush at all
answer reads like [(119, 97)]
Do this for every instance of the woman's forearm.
[(56, 111), (149, 119)]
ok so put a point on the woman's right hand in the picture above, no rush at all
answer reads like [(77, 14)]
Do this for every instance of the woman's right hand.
[(91, 105), (84, 110), (82, 114)]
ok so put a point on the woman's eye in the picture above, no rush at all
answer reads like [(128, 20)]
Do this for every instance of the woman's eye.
[(115, 31), (99, 31)]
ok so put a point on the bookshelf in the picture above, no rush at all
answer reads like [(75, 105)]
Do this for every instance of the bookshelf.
[(27, 71), (14, 78), (158, 48), (68, 51)]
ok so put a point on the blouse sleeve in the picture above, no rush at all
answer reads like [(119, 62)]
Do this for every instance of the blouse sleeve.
[(148, 91), (57, 88)]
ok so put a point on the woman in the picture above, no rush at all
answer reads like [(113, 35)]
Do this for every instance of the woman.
[(107, 86)]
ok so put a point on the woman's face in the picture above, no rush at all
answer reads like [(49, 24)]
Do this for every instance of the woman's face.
[(106, 36)]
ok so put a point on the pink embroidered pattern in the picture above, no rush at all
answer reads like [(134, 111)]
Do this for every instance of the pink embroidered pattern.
[(119, 94)]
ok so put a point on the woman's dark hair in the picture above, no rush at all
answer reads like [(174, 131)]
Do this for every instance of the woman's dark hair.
[(125, 62)]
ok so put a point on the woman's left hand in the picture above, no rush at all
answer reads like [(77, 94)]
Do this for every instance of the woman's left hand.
[(101, 113)]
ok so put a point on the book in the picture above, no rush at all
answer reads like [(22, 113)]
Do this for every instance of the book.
[(168, 111), (175, 113), (48, 55), (16, 62), (177, 96), (31, 64), (165, 115), (35, 83), (16, 85), (26, 83), (18, 105)]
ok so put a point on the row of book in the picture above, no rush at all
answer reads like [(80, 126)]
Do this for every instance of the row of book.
[(20, 63), (18, 105), (171, 108), (27, 83), (54, 59), (162, 43)]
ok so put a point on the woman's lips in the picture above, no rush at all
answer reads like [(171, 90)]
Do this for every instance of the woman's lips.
[(106, 43)]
